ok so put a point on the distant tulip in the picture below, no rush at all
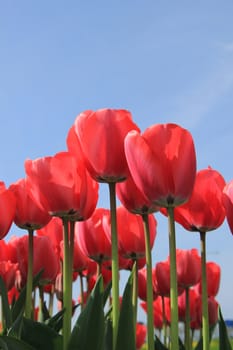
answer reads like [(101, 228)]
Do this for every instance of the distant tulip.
[(212, 312), (106, 274), (92, 238), (142, 285), (47, 262), (8, 272), (54, 231), (131, 233), (13, 295), (80, 260), (4, 251), (188, 267), (7, 209), (193, 304), (161, 278), (159, 318), (228, 203), (133, 199), (140, 335), (213, 271)]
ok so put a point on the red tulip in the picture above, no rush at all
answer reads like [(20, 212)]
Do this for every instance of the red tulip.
[(212, 312), (101, 134), (141, 331), (161, 278), (80, 260), (66, 185), (13, 295), (133, 199), (194, 303), (188, 267), (129, 263), (158, 311), (54, 231), (162, 162), (73, 144), (213, 272), (7, 209), (131, 236), (30, 214), (228, 203), (91, 269), (48, 262), (4, 251), (8, 272), (92, 237), (142, 285), (107, 277), (204, 211)]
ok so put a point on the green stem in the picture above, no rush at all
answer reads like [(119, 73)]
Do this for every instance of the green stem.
[(28, 306), (99, 268), (67, 284), (164, 322), (149, 286), (81, 291), (51, 301), (187, 320), (115, 263), (205, 316), (135, 290), (173, 280), (41, 304)]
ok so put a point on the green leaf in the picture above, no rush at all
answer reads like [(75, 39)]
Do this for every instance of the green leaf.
[(56, 321), (19, 305), (88, 332), (126, 330), (181, 345), (9, 343), (159, 345), (5, 305), (224, 342), (15, 329), (40, 336), (108, 335), (200, 343), (107, 292)]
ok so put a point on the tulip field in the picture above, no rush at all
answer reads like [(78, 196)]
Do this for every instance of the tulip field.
[(68, 240)]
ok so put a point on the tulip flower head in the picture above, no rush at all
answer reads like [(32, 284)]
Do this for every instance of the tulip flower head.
[(7, 209), (228, 203), (204, 211), (162, 162), (64, 184), (30, 213), (188, 267), (101, 135)]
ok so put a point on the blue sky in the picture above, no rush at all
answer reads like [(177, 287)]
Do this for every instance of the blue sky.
[(164, 61)]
